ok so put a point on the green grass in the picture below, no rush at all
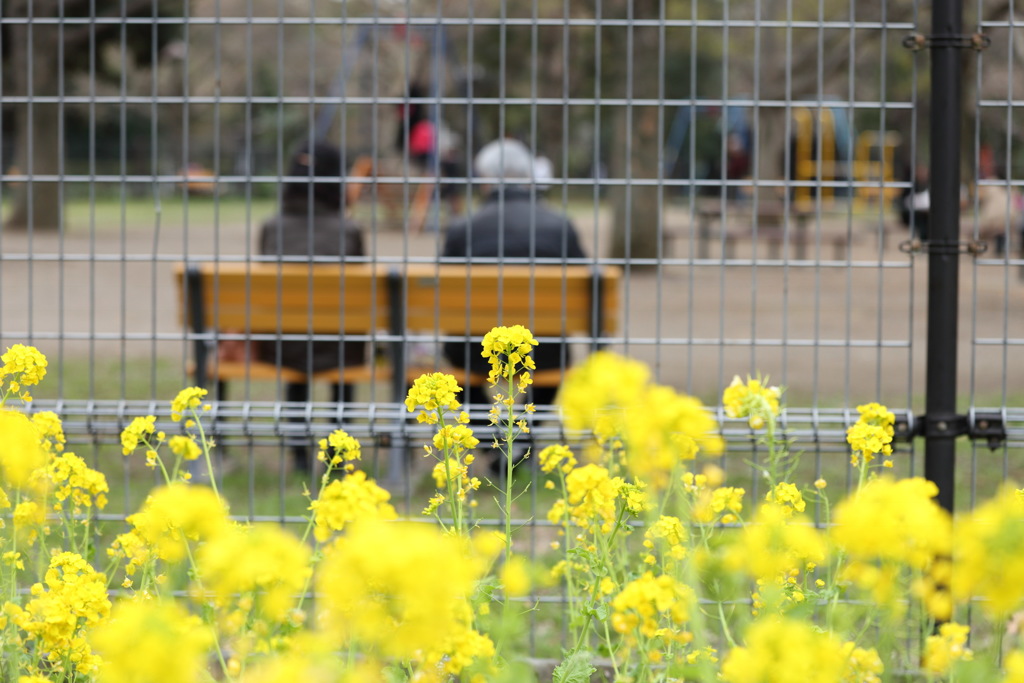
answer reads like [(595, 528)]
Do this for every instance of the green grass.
[(107, 214)]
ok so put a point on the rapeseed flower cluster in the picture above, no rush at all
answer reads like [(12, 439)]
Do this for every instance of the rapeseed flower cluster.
[(157, 641), (433, 393), (343, 501), (508, 350), (340, 450), (649, 603), (648, 428), (987, 556), (403, 591), (753, 400), (186, 402), (21, 452), (871, 435), (71, 598), (944, 650), (23, 366), (786, 651), (251, 575), (657, 553)]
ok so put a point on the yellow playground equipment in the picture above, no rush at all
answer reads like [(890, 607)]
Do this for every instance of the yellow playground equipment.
[(872, 167)]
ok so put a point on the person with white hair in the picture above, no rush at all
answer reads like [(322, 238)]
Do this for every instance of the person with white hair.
[(512, 225)]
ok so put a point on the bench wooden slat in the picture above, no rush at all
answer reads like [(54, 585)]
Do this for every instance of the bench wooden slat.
[(439, 298), (256, 370), (267, 298)]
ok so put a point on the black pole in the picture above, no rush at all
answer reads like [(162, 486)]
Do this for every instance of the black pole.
[(942, 425)]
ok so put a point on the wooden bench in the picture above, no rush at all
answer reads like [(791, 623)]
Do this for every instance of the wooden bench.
[(245, 300), (231, 300)]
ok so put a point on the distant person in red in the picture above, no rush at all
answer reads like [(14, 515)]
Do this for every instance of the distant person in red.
[(417, 134)]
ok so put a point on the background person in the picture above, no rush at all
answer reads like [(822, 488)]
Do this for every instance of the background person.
[(310, 223), (511, 223)]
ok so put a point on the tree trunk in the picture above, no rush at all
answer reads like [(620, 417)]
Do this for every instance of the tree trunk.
[(635, 213), (635, 148), (37, 152)]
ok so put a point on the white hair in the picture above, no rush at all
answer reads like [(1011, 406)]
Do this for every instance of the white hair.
[(508, 160)]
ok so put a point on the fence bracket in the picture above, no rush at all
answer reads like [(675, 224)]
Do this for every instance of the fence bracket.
[(918, 246), (975, 41), (987, 426)]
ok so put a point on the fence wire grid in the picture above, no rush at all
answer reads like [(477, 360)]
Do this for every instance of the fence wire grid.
[(745, 165)]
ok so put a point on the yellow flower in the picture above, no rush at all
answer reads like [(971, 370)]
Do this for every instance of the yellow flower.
[(751, 399), (20, 450), (649, 602), (136, 433), (263, 560), (893, 520), (507, 349), (184, 447), (152, 641), (987, 555), (669, 529), (72, 598), (872, 434), (74, 480), (435, 391), (187, 400), (402, 591), (725, 501), (344, 448), (347, 500), (50, 430), (311, 659), (785, 651), (455, 436), (25, 365), (774, 543), (788, 497), (176, 514), (28, 517), (557, 456), (653, 426), (941, 652), (592, 497), (515, 577), (1014, 665), (863, 665)]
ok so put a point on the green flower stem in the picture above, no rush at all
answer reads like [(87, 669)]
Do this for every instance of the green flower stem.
[(206, 452), (509, 465), (611, 650), (202, 591), (450, 483)]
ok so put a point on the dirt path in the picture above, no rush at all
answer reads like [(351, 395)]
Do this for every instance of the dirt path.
[(852, 328)]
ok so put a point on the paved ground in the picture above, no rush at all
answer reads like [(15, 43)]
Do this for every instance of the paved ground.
[(849, 326)]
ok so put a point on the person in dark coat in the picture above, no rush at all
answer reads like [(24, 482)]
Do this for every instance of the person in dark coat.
[(512, 223), (310, 223)]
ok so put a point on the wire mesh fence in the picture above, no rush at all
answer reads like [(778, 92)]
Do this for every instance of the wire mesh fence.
[(744, 166)]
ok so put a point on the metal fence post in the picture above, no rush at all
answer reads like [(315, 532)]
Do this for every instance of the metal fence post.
[(942, 424)]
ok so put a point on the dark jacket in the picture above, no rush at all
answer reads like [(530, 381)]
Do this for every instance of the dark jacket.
[(327, 233), (511, 225)]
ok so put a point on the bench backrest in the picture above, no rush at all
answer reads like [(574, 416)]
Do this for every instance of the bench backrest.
[(551, 300), (264, 298)]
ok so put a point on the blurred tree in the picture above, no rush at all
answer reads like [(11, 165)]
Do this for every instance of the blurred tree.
[(38, 59)]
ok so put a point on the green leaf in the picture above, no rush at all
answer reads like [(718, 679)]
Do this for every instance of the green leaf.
[(576, 668)]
